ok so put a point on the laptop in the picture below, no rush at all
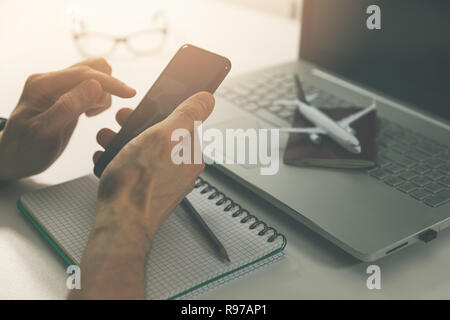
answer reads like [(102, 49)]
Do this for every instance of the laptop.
[(405, 68)]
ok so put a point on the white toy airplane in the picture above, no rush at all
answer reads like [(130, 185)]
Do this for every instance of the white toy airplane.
[(340, 131)]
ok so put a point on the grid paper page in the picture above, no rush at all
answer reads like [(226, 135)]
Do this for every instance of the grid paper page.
[(180, 257), (235, 275)]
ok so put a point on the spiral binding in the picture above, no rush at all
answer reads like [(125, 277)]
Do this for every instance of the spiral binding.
[(200, 182)]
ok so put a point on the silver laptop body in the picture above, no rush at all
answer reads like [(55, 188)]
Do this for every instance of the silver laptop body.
[(370, 213)]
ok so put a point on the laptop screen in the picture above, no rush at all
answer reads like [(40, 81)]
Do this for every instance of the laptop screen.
[(407, 59)]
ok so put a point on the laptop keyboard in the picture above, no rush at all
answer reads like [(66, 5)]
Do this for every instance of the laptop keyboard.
[(406, 160), (258, 96)]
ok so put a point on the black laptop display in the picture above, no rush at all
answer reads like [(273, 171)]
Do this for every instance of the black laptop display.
[(408, 59)]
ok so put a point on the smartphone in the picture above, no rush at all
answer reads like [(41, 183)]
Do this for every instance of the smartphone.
[(191, 70)]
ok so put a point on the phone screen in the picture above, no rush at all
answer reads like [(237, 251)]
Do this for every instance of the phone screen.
[(191, 70)]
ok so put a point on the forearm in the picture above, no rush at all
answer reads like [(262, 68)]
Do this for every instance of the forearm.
[(112, 266)]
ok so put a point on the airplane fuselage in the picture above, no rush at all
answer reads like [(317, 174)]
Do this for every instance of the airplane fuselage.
[(339, 134)]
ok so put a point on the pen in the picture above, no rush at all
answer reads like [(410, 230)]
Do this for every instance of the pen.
[(208, 232)]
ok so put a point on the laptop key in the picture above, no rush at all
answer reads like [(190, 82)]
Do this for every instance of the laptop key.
[(434, 187), (254, 98), (434, 162), (421, 169), (399, 158), (445, 167), (408, 140), (379, 173), (407, 187), (399, 147), (251, 106), (240, 101), (290, 119), (408, 174), (429, 148), (241, 90), (420, 194), (388, 142), (421, 181), (445, 181), (435, 174), (381, 161), (263, 103), (290, 107), (417, 155), (271, 96), (260, 90), (274, 108), (394, 168), (393, 180), (443, 157), (285, 113), (438, 199), (288, 96)]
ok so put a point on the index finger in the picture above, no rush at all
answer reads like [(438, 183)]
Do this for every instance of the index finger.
[(64, 80), (99, 64)]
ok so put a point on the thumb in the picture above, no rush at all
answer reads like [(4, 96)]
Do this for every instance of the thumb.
[(73, 103), (196, 108)]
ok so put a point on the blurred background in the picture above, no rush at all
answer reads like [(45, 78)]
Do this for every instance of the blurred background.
[(284, 8), (138, 38)]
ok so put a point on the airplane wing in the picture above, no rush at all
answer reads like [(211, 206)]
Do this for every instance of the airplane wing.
[(353, 117), (315, 130)]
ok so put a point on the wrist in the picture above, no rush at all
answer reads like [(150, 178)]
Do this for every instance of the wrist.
[(115, 224), (124, 199), (114, 259)]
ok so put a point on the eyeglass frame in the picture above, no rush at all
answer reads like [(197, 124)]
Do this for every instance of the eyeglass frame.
[(124, 39)]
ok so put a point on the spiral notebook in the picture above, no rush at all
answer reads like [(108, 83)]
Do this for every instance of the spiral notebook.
[(181, 262)]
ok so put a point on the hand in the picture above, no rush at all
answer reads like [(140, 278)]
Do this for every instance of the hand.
[(43, 121), (142, 180), (138, 189)]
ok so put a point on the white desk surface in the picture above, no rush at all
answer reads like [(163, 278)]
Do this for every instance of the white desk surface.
[(34, 38)]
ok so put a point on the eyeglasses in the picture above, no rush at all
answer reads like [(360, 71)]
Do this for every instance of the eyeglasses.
[(143, 42)]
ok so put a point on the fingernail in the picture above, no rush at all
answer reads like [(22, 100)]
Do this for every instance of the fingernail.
[(206, 99)]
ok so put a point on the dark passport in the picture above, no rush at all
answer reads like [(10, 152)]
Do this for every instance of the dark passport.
[(300, 150)]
